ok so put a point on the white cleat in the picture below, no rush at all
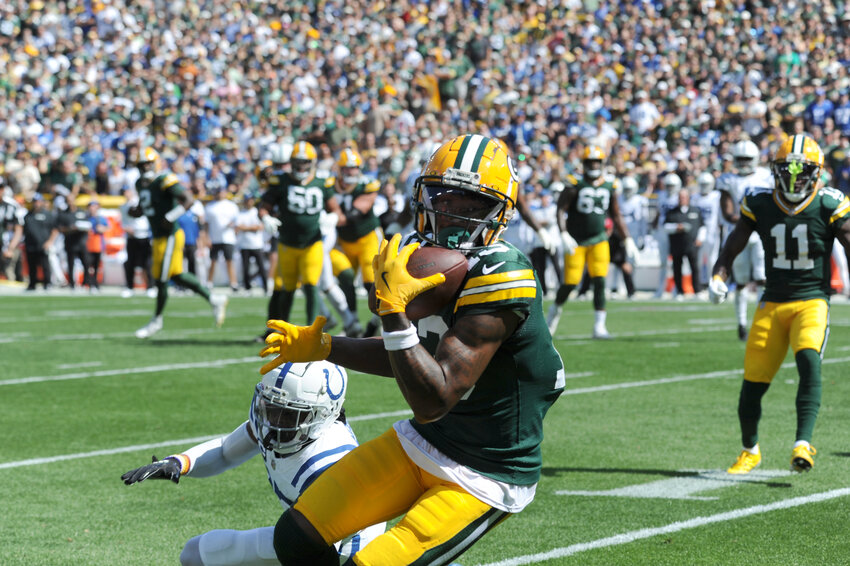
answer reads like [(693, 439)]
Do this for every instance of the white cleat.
[(151, 328), (219, 306), (126, 293), (601, 333), (554, 318)]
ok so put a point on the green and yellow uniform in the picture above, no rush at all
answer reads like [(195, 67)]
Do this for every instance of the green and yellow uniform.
[(156, 199), (300, 254), (474, 466), (586, 223), (798, 243), (360, 237)]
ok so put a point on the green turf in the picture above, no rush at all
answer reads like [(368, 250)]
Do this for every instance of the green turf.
[(656, 404)]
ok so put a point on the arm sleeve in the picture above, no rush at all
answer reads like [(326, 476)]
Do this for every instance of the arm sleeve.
[(221, 454)]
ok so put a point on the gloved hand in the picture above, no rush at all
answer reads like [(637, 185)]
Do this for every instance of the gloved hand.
[(631, 249), (328, 221), (295, 343), (546, 239), (717, 290), (395, 287), (270, 224), (168, 469), (569, 243)]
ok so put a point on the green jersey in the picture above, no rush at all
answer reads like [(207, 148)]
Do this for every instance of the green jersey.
[(589, 209), (797, 241), (358, 225), (299, 206), (497, 428), (157, 198)]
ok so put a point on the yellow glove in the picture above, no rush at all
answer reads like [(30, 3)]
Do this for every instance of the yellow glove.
[(394, 286), (296, 343)]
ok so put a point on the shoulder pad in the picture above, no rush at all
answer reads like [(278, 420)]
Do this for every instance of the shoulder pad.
[(275, 180), (752, 191), (571, 179), (332, 179), (330, 182), (499, 277), (832, 196), (615, 182), (372, 186), (169, 180)]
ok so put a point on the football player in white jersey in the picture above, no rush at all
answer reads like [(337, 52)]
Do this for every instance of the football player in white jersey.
[(298, 427), (707, 200), (668, 199), (748, 266), (634, 209)]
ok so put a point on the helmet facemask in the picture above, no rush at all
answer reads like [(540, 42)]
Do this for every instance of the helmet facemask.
[(461, 218), (284, 426), (349, 177), (303, 169), (592, 168), (796, 178)]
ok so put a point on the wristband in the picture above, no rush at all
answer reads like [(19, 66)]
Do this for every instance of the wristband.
[(400, 339), (175, 213), (185, 463)]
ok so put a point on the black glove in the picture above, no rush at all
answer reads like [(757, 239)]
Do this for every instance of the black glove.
[(168, 469)]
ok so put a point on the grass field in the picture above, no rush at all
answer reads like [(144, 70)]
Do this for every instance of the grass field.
[(633, 455)]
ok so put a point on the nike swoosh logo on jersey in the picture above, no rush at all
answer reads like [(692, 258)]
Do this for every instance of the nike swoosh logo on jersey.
[(487, 269)]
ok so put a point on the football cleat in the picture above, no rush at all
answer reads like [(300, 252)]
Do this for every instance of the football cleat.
[(742, 333), (745, 463), (219, 306), (601, 333), (554, 318), (151, 328), (331, 323), (801, 458)]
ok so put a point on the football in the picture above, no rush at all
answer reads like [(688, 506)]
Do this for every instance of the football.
[(427, 261)]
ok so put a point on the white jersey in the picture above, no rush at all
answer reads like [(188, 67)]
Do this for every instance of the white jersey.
[(293, 473), (709, 208), (736, 186), (221, 221), (635, 213), (249, 239)]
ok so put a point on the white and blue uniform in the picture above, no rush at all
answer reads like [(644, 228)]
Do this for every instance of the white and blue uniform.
[(749, 265)]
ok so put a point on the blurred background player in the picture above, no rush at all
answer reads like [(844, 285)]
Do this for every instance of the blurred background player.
[(798, 220), (138, 231), (40, 232), (667, 200), (634, 208), (163, 200), (587, 201), (297, 198), (12, 227), (707, 200), (221, 215), (361, 235), (748, 266), (250, 242), (297, 424)]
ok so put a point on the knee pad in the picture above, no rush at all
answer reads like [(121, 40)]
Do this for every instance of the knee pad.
[(225, 546), (294, 548)]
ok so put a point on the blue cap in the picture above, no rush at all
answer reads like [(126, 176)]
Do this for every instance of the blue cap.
[(604, 113)]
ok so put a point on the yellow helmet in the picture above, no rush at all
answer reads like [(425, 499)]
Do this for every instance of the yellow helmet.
[(303, 161), (592, 159), (797, 167), (148, 162), (465, 194), (349, 164), (262, 170)]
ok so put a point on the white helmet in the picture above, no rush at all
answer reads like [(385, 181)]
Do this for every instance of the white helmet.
[(705, 182), (672, 183), (630, 186), (295, 403), (745, 155)]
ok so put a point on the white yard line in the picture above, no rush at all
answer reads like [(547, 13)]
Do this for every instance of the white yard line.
[(640, 534)]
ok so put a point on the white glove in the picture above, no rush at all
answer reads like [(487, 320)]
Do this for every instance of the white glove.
[(271, 224), (631, 249), (545, 239), (328, 221), (717, 290), (569, 243)]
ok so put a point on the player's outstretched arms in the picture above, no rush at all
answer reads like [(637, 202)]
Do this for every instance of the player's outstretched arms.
[(167, 469)]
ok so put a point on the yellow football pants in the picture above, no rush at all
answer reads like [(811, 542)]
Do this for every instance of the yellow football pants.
[(296, 265), (800, 324), (339, 262), (597, 256), (168, 256), (377, 482), (361, 251)]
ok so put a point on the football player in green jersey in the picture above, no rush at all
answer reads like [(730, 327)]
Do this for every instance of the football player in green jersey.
[(798, 222), (298, 198), (587, 201), (361, 236), (163, 200), (479, 375)]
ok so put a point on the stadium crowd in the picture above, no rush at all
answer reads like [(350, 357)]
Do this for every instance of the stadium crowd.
[(664, 88)]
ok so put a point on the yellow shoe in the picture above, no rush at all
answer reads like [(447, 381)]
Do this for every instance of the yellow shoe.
[(801, 458), (745, 463)]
